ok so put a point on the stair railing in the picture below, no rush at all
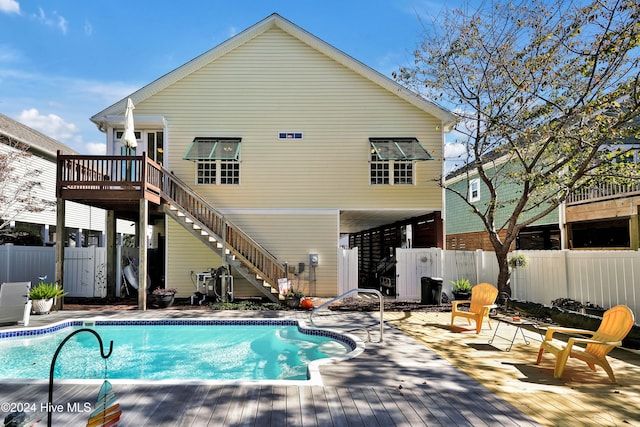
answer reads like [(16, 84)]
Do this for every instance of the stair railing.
[(349, 292), (240, 243)]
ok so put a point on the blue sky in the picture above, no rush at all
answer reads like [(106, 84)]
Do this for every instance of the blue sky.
[(62, 61)]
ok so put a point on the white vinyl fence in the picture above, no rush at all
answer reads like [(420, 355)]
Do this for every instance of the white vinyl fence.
[(604, 278), (84, 268), (347, 270)]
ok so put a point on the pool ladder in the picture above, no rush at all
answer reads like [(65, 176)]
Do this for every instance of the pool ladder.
[(349, 292)]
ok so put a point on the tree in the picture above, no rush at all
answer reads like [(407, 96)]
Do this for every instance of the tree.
[(19, 183), (551, 87)]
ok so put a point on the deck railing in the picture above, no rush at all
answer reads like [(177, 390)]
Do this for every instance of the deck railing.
[(92, 174), (603, 192), (113, 173)]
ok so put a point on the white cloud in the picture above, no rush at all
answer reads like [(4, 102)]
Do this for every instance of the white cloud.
[(454, 151), (51, 21), (62, 24), (96, 148), (10, 6), (88, 28), (51, 125)]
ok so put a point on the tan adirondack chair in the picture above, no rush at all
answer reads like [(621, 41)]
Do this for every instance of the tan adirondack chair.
[(616, 324), (483, 297)]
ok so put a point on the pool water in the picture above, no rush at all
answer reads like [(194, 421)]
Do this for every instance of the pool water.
[(177, 352)]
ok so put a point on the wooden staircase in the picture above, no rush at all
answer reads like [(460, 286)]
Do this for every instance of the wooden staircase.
[(239, 250), (118, 183)]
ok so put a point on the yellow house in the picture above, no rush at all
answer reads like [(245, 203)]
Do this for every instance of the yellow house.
[(291, 140)]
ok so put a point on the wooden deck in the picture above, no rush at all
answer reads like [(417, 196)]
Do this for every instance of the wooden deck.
[(399, 382)]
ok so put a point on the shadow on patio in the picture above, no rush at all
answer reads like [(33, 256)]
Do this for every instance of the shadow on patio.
[(581, 397)]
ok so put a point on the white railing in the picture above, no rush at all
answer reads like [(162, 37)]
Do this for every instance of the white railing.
[(602, 191)]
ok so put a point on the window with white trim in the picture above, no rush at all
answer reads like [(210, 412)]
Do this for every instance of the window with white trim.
[(154, 145), (217, 160), (474, 190), (392, 160)]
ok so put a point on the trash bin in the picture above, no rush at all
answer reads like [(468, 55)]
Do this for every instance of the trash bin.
[(431, 290)]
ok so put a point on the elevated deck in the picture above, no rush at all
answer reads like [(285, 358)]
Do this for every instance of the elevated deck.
[(116, 183)]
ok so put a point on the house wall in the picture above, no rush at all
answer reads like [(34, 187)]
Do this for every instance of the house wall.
[(291, 236), (464, 229), (622, 208), (276, 83), (187, 256)]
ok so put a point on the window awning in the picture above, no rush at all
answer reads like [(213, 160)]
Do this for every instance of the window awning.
[(203, 148), (399, 149)]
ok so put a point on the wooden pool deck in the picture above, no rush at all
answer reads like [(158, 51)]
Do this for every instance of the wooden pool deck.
[(456, 379)]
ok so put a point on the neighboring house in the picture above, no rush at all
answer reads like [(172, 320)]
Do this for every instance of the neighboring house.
[(85, 224), (601, 217), (605, 216), (292, 145), (464, 229)]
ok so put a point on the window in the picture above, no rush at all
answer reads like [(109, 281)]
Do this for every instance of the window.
[(398, 155), (123, 149), (154, 146), (474, 190), (217, 160)]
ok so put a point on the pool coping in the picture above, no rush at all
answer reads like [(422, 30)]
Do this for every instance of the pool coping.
[(314, 376)]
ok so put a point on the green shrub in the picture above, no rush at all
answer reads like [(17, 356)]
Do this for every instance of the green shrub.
[(46, 291), (461, 285)]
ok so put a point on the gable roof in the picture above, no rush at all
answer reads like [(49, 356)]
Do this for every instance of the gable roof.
[(37, 142), (276, 21)]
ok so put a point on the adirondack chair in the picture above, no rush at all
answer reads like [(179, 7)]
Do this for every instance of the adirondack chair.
[(483, 297), (616, 324)]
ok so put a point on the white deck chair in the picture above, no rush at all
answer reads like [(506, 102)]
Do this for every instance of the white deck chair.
[(15, 305)]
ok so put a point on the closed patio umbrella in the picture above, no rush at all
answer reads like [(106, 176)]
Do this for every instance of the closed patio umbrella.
[(129, 137)]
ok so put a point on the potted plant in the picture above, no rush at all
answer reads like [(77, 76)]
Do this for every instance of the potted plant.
[(292, 297), (164, 296), (518, 261), (461, 289), (43, 295)]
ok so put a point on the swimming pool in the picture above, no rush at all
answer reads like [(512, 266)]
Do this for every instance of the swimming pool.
[(176, 350)]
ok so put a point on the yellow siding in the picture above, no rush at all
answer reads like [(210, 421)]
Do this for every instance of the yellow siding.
[(276, 83), (291, 237), (186, 254)]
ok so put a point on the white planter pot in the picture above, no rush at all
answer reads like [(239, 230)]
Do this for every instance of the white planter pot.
[(42, 306)]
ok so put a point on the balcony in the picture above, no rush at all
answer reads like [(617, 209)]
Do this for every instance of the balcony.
[(602, 192), (110, 182)]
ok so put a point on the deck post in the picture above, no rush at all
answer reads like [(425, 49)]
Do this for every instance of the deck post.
[(60, 244), (142, 251), (111, 255)]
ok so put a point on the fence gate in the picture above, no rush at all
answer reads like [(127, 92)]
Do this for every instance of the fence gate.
[(85, 272), (347, 270), (412, 265)]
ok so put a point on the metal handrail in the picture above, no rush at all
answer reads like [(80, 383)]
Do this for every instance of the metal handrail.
[(357, 290)]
